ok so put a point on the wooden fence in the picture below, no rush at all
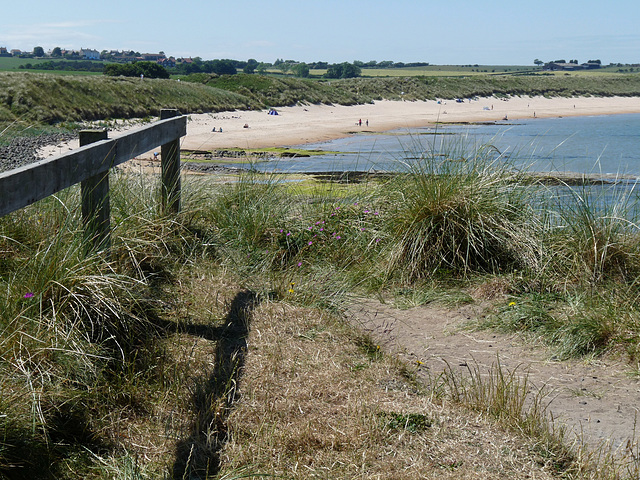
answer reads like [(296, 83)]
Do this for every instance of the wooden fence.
[(89, 165)]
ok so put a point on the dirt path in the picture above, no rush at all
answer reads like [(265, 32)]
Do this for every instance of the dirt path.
[(598, 400)]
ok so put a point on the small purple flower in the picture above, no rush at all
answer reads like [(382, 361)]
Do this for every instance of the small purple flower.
[(29, 295), (322, 229), (362, 229), (288, 234), (338, 237), (310, 242), (310, 228), (299, 264), (281, 230), (377, 240)]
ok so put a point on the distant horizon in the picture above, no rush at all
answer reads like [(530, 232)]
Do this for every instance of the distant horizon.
[(169, 55), (459, 32)]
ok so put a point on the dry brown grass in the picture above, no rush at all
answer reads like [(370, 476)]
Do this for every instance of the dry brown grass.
[(316, 401)]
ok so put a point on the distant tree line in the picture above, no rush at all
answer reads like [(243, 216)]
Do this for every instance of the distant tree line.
[(371, 64), (197, 65), (136, 69), (76, 66)]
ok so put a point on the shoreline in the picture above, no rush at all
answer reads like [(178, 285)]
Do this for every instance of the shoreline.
[(301, 125), (308, 124)]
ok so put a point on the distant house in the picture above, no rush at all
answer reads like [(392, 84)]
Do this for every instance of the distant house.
[(89, 54), (15, 52), (153, 57), (4, 52), (167, 62), (559, 66), (555, 66), (124, 56), (70, 53)]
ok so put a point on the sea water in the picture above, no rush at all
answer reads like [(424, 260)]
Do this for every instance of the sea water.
[(607, 144)]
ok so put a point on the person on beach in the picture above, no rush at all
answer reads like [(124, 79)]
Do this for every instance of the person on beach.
[(360, 122)]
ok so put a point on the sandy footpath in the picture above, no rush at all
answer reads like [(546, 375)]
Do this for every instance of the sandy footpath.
[(317, 123), (597, 400)]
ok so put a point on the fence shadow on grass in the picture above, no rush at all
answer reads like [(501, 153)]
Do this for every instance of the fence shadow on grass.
[(197, 456)]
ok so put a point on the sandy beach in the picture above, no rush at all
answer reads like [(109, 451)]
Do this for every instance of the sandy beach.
[(315, 123)]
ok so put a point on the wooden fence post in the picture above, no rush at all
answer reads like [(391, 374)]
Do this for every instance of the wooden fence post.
[(96, 209), (170, 155)]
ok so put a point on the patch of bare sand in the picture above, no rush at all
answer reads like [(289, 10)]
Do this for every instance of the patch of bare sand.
[(598, 400)]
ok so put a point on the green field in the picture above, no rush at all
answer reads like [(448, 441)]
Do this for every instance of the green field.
[(10, 64), (14, 63)]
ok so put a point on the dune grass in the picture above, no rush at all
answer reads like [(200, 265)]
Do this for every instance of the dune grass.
[(211, 343)]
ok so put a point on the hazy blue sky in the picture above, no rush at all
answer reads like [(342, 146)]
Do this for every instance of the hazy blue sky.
[(440, 32)]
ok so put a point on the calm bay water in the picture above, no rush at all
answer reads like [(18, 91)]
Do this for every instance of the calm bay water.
[(598, 144)]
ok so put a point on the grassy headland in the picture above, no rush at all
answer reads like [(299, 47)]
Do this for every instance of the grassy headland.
[(44, 98)]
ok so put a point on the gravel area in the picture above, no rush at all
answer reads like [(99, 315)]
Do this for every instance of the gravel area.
[(22, 150)]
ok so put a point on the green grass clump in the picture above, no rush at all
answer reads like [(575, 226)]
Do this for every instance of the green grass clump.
[(460, 212), (79, 335), (595, 235)]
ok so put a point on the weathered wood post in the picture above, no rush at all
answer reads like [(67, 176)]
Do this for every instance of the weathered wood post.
[(170, 155), (96, 208)]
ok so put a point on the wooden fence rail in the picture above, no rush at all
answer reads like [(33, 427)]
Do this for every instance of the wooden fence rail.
[(90, 164)]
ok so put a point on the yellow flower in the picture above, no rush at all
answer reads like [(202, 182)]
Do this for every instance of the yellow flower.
[(512, 304)]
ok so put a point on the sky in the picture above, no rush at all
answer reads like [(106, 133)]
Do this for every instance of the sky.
[(445, 32)]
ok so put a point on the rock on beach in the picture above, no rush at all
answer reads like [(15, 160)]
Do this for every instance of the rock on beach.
[(20, 151)]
